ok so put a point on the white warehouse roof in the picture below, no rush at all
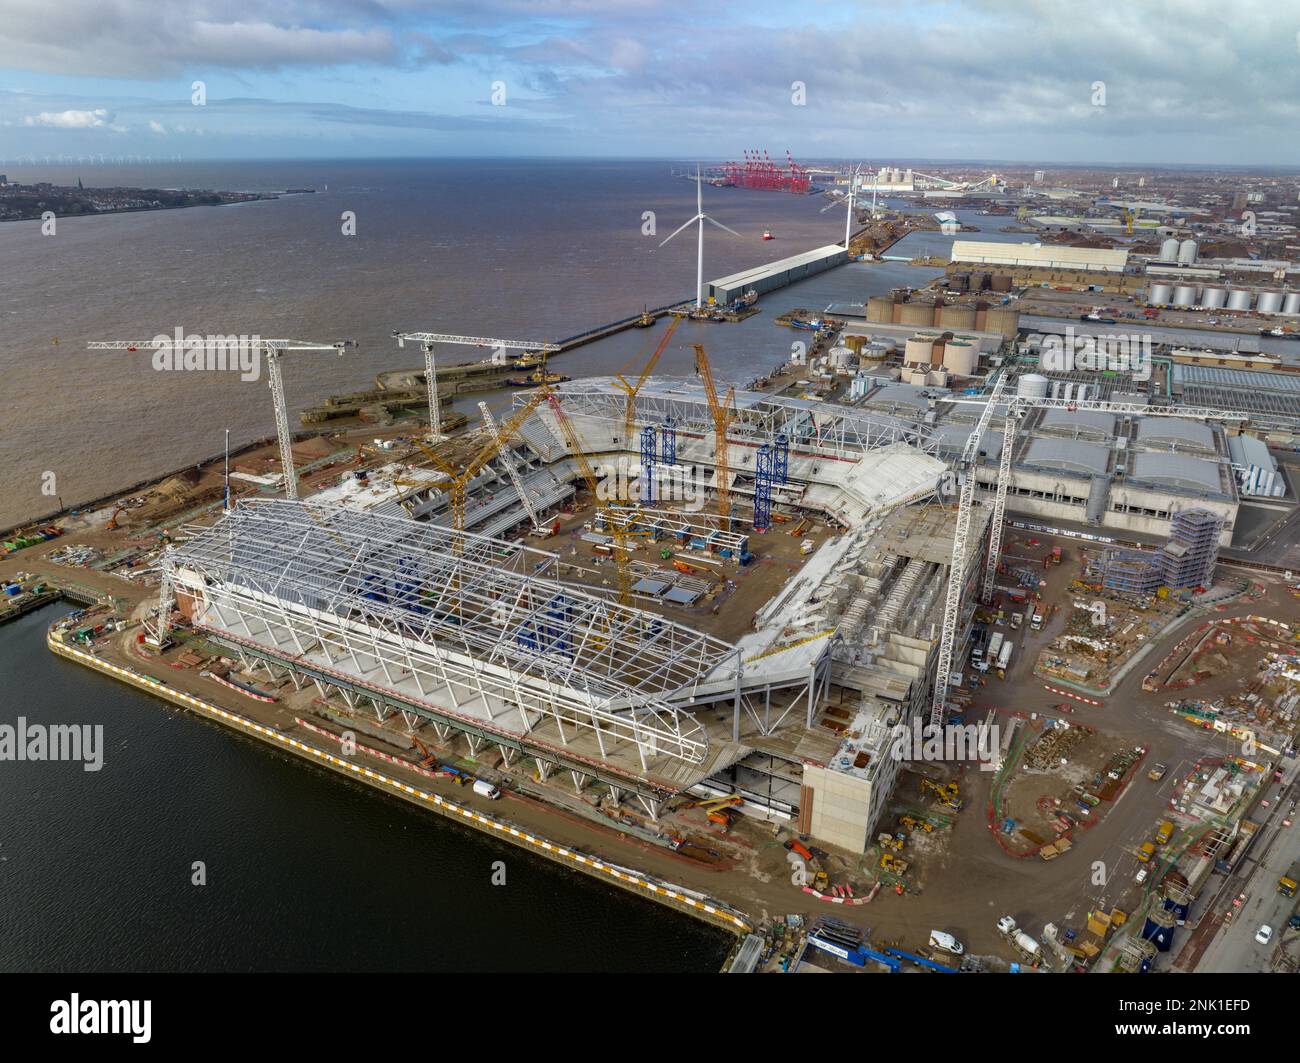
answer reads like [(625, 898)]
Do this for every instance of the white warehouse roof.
[(1048, 256), (1068, 455), (1179, 471), (1177, 430)]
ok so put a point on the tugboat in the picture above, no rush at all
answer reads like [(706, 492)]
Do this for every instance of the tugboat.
[(536, 379), (767, 234), (646, 320)]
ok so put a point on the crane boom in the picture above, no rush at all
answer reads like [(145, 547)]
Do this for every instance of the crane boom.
[(634, 389), (270, 351), (507, 459), (720, 412)]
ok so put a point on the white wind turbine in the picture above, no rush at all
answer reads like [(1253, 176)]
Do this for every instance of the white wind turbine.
[(701, 218), (848, 218)]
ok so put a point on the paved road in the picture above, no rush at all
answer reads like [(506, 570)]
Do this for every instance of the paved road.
[(1233, 946)]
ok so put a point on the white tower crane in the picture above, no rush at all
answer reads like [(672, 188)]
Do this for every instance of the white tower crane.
[(427, 340), (508, 460), (1016, 408), (270, 351)]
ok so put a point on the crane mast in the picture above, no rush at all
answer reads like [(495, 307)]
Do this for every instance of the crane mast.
[(720, 412), (507, 459), (427, 341)]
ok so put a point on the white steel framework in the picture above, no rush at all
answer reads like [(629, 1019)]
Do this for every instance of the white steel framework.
[(812, 427), (479, 633)]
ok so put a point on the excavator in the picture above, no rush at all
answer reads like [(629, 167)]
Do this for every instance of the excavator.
[(945, 794), (720, 810), (891, 841), (914, 823), (889, 862), (429, 760)]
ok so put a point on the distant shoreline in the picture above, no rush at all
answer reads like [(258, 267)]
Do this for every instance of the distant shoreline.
[(68, 201)]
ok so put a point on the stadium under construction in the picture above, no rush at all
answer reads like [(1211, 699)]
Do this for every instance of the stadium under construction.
[(762, 639)]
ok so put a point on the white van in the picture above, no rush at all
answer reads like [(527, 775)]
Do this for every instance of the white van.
[(940, 939), (486, 789)]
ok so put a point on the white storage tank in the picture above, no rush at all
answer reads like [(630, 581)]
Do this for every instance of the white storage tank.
[(1270, 302), (1187, 252), (1214, 298), (1184, 295), (1032, 386), (1239, 298), (960, 357), (839, 357), (1160, 293), (1291, 304), (1169, 250)]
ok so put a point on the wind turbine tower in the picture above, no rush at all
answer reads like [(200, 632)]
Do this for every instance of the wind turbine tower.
[(700, 218)]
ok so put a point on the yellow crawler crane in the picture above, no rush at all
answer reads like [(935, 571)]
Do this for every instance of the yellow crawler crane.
[(722, 414), (614, 521), (629, 421)]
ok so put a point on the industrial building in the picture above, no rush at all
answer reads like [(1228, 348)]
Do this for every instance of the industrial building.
[(774, 275), (1039, 256), (371, 595)]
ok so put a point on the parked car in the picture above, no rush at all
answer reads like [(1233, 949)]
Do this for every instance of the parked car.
[(1157, 773), (940, 939), (1264, 934)]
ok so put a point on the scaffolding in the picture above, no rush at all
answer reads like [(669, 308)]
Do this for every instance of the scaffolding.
[(483, 634), (668, 434), (764, 474), (648, 465)]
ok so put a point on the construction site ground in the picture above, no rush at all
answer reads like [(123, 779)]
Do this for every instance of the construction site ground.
[(961, 879)]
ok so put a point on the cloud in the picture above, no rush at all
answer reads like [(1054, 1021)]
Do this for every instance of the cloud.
[(69, 119)]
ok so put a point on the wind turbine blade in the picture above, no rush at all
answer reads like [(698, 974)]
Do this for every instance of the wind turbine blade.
[(719, 225), (684, 226), (832, 203)]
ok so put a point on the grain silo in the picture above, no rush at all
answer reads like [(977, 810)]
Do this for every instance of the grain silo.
[(918, 313), (1239, 298), (1187, 251), (960, 357), (1006, 323), (1169, 250), (957, 317), (880, 309), (920, 349), (1291, 304), (1214, 298), (1159, 293), (1270, 302)]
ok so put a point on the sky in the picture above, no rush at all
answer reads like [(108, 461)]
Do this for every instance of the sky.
[(1159, 82)]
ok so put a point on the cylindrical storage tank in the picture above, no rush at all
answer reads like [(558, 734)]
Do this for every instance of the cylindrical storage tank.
[(1239, 298), (1001, 282), (874, 353), (1067, 391), (917, 313), (1004, 322), (959, 282), (1291, 304), (1214, 298), (1169, 250), (1184, 295), (855, 343), (880, 309), (980, 281), (1032, 386), (1187, 252), (960, 357), (1160, 293), (957, 317), (1270, 302), (919, 350), (1056, 389)]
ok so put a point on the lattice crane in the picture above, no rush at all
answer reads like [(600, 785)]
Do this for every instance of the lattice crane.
[(632, 389), (507, 459), (271, 351), (427, 341), (722, 414)]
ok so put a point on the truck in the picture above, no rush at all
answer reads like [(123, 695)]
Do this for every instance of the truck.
[(1288, 883), (1004, 655), (486, 789), (1036, 621), (995, 645), (1165, 832)]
